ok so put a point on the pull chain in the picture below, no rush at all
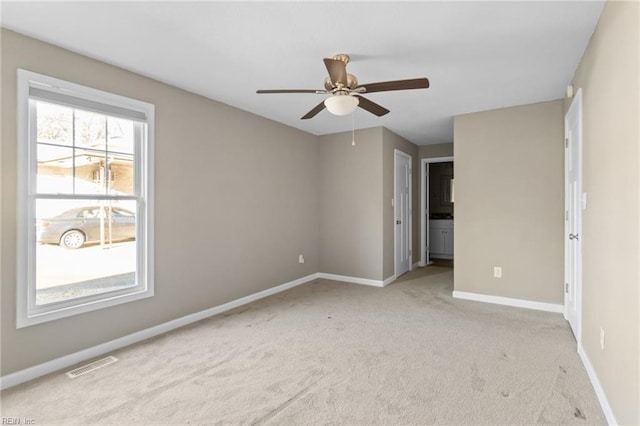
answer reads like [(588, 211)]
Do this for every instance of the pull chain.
[(353, 129)]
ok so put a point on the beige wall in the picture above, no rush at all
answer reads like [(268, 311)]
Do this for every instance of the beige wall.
[(434, 151), (255, 179), (356, 214), (350, 198), (391, 142), (509, 202), (608, 76)]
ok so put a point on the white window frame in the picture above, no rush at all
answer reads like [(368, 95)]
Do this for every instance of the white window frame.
[(28, 313)]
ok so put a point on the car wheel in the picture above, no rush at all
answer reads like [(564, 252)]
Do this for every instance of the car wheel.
[(72, 239)]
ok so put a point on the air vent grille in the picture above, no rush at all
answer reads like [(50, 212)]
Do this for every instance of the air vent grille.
[(92, 366)]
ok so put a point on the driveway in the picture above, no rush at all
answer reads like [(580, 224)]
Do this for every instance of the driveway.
[(63, 273)]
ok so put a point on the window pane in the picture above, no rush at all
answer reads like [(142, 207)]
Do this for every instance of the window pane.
[(85, 247), (120, 135), (91, 175), (54, 123), (55, 169), (90, 130), (121, 174)]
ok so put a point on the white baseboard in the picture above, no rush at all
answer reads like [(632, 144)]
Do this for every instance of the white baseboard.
[(354, 280), (520, 303), (36, 371), (602, 398), (389, 280), (415, 265)]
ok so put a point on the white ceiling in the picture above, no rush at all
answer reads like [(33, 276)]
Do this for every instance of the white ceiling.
[(477, 55)]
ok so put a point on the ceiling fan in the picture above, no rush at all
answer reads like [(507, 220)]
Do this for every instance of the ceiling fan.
[(346, 92)]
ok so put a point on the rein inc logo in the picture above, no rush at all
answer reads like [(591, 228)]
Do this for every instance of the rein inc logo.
[(17, 421)]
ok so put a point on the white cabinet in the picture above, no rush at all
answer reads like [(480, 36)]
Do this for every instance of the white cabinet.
[(441, 238)]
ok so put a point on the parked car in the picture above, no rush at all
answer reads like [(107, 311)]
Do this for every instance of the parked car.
[(76, 227)]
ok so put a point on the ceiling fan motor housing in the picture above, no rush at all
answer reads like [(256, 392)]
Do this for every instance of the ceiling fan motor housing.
[(352, 83)]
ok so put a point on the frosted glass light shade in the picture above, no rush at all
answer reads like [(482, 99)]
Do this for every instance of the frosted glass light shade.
[(341, 104)]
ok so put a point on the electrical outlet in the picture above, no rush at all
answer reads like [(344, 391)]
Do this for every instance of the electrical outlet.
[(601, 338), (300, 259), (497, 272)]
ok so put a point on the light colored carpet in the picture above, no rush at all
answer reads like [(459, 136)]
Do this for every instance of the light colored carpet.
[(334, 353)]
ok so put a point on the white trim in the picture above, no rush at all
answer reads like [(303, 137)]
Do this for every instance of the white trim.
[(593, 377), (36, 371), (519, 303), (424, 204), (396, 153), (389, 280), (57, 85), (23, 267), (415, 265), (356, 280)]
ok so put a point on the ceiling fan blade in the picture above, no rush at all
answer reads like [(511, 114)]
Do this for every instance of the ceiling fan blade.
[(337, 71), (386, 86), (314, 111), (291, 91), (372, 107)]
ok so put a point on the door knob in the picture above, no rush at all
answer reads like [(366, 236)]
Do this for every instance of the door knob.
[(574, 237)]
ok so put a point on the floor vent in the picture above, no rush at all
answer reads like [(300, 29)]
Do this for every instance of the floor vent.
[(86, 369)]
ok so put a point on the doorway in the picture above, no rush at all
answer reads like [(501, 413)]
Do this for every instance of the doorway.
[(436, 218), (402, 210), (573, 201)]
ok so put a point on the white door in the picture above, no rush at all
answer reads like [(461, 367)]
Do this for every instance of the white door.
[(402, 202), (573, 215)]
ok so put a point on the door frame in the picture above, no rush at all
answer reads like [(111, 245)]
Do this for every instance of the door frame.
[(575, 103), (424, 203), (396, 153)]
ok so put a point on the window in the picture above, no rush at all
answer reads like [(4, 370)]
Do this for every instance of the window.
[(85, 199)]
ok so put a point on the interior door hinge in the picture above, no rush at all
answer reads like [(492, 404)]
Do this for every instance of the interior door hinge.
[(566, 142), (566, 287), (566, 215)]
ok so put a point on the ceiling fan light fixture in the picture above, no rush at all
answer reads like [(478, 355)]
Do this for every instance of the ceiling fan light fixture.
[(341, 104)]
